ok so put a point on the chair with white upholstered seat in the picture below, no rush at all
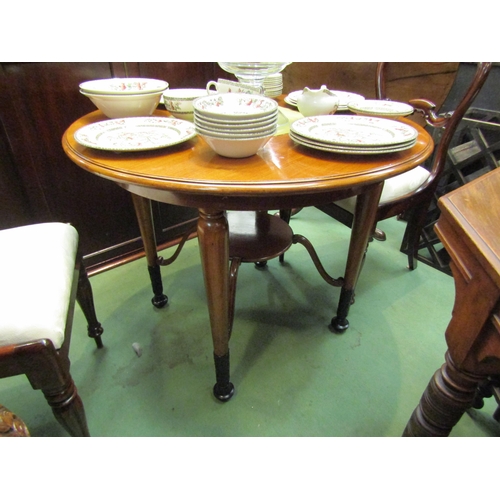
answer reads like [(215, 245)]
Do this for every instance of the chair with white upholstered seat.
[(41, 277), (412, 192)]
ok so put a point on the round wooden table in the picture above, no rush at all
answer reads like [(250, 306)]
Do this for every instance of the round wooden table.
[(281, 176)]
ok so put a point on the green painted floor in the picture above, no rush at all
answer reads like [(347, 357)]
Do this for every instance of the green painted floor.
[(293, 376)]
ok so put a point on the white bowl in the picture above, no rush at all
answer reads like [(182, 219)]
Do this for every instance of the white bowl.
[(123, 106), (234, 106), (236, 148), (179, 102), (245, 134), (124, 86), (235, 125)]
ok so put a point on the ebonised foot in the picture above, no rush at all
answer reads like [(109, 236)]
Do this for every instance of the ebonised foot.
[(223, 389), (224, 392), (159, 301), (338, 325)]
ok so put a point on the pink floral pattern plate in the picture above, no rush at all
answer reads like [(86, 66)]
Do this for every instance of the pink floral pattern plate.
[(374, 107), (354, 131), (135, 134)]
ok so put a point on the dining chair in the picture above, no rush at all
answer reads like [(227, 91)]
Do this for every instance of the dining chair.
[(411, 193), (42, 275)]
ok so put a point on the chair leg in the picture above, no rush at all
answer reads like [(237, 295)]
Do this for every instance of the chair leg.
[(85, 299), (68, 409), (379, 235), (411, 239), (48, 370)]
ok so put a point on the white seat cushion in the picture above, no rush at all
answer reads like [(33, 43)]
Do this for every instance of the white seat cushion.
[(394, 187), (36, 275)]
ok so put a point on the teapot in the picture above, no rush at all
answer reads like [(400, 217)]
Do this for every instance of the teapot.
[(317, 101)]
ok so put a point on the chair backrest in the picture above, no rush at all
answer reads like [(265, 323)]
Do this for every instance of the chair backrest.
[(401, 81), (450, 121)]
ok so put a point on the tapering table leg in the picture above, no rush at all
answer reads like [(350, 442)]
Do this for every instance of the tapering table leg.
[(213, 237), (448, 395), (362, 228), (145, 219)]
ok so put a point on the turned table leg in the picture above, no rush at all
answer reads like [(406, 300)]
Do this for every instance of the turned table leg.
[(362, 228), (213, 237), (449, 394), (145, 219)]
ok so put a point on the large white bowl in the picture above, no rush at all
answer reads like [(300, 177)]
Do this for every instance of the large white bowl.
[(124, 86), (179, 102), (124, 106), (236, 148), (234, 106)]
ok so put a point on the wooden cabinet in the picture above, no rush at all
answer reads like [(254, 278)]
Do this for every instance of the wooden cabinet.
[(38, 183)]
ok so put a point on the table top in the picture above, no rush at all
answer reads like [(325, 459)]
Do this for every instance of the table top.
[(288, 173), (473, 210)]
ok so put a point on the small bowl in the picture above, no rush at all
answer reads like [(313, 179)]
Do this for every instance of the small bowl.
[(123, 106), (236, 148), (123, 86), (179, 102)]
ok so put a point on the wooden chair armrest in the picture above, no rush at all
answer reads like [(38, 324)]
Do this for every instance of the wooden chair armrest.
[(428, 110)]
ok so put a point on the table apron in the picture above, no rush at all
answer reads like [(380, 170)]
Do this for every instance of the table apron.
[(267, 201)]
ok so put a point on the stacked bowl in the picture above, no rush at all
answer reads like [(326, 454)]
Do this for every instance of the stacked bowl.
[(236, 125), (179, 102), (273, 85), (124, 97)]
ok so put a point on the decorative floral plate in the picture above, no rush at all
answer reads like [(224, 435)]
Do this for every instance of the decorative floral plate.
[(135, 134), (373, 107), (350, 150), (344, 98), (357, 131)]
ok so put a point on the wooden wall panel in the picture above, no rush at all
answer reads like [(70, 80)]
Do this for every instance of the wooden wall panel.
[(404, 80), (38, 101)]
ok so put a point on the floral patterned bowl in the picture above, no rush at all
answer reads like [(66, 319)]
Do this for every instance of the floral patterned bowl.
[(123, 106), (234, 106), (179, 102), (124, 86), (236, 148)]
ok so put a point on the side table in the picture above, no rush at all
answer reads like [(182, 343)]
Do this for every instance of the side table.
[(468, 229)]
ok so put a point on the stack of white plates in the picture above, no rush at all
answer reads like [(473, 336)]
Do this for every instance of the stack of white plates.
[(344, 98), (235, 125), (352, 134), (374, 107), (273, 85)]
